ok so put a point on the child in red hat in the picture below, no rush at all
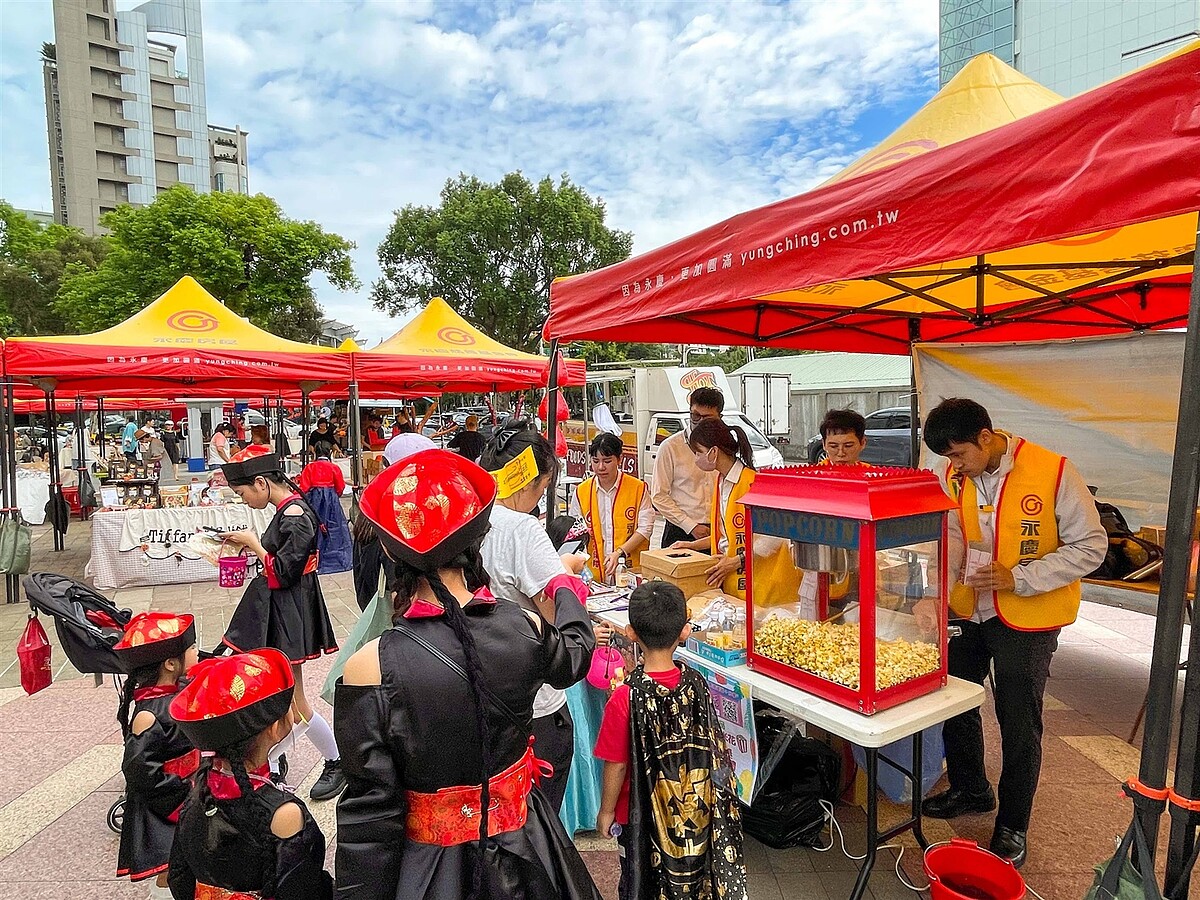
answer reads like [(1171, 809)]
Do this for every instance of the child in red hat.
[(239, 835), (156, 650)]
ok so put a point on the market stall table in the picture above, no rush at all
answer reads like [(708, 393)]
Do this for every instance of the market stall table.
[(142, 547), (907, 720)]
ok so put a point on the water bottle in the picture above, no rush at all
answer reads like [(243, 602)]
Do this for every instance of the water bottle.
[(621, 578)]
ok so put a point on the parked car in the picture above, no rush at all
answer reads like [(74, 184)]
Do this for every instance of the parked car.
[(888, 439), (36, 434)]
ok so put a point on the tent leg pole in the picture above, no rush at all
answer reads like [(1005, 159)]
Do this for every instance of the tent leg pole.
[(55, 475), (354, 439), (304, 432), (1168, 631), (8, 455), (100, 426), (914, 407), (1187, 771), (551, 425)]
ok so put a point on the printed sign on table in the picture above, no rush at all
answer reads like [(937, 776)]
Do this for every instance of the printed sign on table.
[(731, 699)]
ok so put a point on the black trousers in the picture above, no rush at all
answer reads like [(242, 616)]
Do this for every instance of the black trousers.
[(673, 533), (555, 742), (1022, 664)]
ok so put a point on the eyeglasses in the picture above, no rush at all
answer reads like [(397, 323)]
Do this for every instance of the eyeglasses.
[(696, 418)]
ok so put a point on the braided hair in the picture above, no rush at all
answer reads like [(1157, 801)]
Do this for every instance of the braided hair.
[(247, 812), (405, 582), (139, 678)]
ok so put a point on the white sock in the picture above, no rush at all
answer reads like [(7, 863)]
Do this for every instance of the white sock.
[(321, 735), (159, 893), (287, 745)]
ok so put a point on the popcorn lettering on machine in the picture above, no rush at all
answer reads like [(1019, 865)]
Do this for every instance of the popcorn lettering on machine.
[(846, 582)]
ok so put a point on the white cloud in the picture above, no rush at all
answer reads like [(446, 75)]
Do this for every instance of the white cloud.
[(677, 114)]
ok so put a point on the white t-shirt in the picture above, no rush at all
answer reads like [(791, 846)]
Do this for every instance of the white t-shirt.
[(406, 444), (521, 560)]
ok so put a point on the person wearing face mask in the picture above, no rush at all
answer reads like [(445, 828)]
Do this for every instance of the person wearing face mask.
[(1028, 530), (724, 450), (521, 561), (682, 493)]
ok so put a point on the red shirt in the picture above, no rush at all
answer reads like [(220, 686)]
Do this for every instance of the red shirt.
[(615, 744), (322, 473)]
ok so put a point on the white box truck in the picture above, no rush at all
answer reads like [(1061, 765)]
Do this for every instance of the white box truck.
[(650, 403)]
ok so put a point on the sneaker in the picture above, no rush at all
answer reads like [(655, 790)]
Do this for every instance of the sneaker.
[(280, 778), (331, 783)]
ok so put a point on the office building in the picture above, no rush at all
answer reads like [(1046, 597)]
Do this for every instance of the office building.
[(227, 159), (1069, 46), (126, 111), (334, 333)]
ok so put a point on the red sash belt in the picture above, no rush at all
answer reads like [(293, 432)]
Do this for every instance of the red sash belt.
[(311, 565), (183, 766), (451, 815), (208, 892)]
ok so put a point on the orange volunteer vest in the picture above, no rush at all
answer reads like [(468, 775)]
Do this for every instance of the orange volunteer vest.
[(631, 492)]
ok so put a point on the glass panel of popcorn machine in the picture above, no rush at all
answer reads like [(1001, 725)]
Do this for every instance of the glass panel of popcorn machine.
[(907, 610), (804, 590)]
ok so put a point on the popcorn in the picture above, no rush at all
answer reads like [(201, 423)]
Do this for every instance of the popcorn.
[(830, 651)]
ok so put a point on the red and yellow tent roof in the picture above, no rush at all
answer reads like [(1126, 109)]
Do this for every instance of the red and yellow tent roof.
[(998, 212), (441, 351)]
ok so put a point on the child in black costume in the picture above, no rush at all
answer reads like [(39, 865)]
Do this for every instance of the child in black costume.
[(156, 650), (239, 835)]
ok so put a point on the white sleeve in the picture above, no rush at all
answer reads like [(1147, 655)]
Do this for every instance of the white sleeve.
[(1082, 540), (664, 476), (645, 517), (536, 561), (573, 507)]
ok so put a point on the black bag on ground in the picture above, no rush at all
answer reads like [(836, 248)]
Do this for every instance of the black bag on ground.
[(1126, 551), (787, 811)]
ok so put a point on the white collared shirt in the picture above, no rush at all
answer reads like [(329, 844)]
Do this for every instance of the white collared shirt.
[(682, 493), (608, 502)]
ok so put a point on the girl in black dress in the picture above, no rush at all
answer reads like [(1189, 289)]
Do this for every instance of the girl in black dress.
[(283, 606), (156, 650), (441, 800), (239, 835)]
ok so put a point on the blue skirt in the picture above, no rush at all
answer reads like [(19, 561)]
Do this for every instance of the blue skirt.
[(582, 801), (333, 540)]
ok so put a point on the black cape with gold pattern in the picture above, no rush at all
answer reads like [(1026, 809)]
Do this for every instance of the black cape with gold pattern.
[(686, 832)]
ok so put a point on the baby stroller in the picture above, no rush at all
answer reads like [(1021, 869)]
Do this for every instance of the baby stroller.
[(88, 624)]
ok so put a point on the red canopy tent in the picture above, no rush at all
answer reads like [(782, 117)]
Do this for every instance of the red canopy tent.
[(1078, 219)]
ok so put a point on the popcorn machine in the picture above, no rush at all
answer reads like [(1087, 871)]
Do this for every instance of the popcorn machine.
[(846, 582)]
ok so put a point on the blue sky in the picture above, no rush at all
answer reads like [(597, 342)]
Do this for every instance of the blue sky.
[(676, 114)]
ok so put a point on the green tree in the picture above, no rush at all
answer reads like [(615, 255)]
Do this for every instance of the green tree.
[(33, 262), (242, 249), (492, 250), (610, 351)]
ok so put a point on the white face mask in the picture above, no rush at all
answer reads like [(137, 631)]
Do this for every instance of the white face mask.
[(707, 461)]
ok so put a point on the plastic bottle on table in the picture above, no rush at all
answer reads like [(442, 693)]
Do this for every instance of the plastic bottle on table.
[(739, 628), (621, 578)]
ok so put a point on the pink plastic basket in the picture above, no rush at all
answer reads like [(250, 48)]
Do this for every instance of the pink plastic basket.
[(231, 570)]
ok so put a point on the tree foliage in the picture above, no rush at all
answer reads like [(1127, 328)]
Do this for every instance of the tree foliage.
[(492, 250), (242, 249), (34, 259)]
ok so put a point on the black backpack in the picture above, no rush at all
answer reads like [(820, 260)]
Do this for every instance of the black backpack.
[(1127, 553)]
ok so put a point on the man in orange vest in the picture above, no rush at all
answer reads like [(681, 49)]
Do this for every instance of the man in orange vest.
[(1028, 531), (617, 509), (844, 437)]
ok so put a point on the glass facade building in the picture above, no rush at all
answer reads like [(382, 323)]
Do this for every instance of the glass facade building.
[(1069, 46)]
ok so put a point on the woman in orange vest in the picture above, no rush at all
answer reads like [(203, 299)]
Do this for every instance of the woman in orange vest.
[(724, 450)]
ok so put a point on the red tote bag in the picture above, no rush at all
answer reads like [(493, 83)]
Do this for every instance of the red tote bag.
[(33, 651)]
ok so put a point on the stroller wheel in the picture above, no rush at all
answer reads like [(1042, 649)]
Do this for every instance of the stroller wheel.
[(116, 814)]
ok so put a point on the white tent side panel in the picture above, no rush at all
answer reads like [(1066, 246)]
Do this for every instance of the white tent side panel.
[(1108, 404)]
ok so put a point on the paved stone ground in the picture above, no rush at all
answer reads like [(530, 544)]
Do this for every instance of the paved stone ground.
[(60, 762)]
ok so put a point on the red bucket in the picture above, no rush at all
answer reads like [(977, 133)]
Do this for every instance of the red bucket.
[(962, 870), (231, 570)]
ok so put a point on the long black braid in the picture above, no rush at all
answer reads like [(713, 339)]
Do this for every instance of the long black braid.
[(457, 620), (249, 813), (139, 678)]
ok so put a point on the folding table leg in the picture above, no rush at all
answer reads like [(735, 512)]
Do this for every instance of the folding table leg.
[(864, 872), (918, 788)]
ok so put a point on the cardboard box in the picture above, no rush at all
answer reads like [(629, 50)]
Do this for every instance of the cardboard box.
[(683, 568), (718, 655), (1156, 534)]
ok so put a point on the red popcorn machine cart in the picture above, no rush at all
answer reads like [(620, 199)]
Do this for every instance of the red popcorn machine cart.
[(846, 592)]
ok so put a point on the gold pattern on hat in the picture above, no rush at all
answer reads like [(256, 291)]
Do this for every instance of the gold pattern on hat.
[(252, 670), (137, 639), (438, 500), (405, 484), (169, 626), (409, 519), (237, 687)]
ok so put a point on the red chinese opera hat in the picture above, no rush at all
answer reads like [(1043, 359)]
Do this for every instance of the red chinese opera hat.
[(154, 637), (230, 698), (244, 472), (429, 507)]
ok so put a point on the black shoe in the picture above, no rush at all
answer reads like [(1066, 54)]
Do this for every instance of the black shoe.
[(951, 804), (280, 777), (1008, 843), (331, 783)]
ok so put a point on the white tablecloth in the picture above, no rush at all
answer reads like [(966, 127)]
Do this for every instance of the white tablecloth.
[(147, 546), (33, 490)]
